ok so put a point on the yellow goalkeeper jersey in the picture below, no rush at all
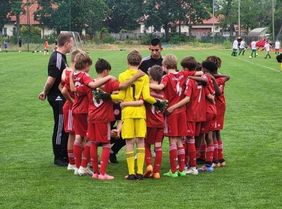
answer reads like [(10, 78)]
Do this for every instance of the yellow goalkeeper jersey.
[(138, 90)]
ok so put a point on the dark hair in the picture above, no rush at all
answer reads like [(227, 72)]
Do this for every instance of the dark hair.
[(134, 58), (215, 60), (102, 65), (198, 67), (82, 60), (189, 62), (63, 38), (156, 72), (155, 42), (209, 66)]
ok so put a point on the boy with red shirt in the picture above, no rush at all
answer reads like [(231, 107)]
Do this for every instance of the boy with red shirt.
[(99, 118), (155, 121), (67, 109)]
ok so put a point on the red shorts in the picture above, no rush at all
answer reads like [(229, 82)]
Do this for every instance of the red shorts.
[(154, 135), (99, 132), (68, 118), (209, 125), (80, 124), (219, 120), (175, 125), (191, 128)]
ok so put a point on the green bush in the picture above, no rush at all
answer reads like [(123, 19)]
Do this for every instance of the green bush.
[(227, 44)]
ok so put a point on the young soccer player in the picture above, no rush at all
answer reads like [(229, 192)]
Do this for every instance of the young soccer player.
[(242, 47), (155, 125), (277, 47), (67, 109), (46, 46), (134, 124), (100, 116), (234, 48), (254, 49), (267, 47), (220, 107)]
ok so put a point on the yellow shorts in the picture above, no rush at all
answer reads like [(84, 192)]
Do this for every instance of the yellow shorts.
[(133, 128)]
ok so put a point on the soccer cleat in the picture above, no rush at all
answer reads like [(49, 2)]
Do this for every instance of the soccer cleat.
[(206, 168), (60, 162), (76, 171), (139, 176), (192, 171), (156, 176), (222, 163), (181, 173), (84, 171), (71, 167), (149, 171), (200, 161), (95, 176), (170, 174), (105, 177), (130, 177)]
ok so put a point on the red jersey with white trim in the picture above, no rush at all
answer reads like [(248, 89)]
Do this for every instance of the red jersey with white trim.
[(174, 89), (154, 117), (209, 89), (220, 100), (102, 110), (66, 83), (81, 80)]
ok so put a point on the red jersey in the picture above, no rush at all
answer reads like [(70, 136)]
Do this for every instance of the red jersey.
[(174, 89), (209, 89), (66, 83), (196, 108), (102, 111), (155, 118), (81, 80), (220, 100)]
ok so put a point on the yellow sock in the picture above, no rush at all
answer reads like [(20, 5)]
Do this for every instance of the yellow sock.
[(281, 66), (140, 160), (130, 162)]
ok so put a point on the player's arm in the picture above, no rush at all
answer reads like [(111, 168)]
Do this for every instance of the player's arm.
[(132, 103), (157, 86), (116, 131), (179, 104), (210, 97), (100, 82), (199, 79), (127, 83), (48, 85), (216, 87), (66, 94), (225, 77)]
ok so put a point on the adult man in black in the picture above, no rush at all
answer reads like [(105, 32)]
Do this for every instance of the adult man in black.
[(155, 58), (57, 63)]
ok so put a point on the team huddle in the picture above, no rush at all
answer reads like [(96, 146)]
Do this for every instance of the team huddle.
[(151, 99)]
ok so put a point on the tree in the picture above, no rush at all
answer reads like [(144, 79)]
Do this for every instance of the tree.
[(165, 13), (17, 8), (4, 8), (123, 14)]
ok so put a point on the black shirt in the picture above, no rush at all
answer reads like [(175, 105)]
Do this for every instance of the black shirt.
[(148, 62), (57, 63)]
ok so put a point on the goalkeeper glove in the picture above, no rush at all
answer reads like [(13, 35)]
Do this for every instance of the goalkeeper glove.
[(161, 105), (99, 94)]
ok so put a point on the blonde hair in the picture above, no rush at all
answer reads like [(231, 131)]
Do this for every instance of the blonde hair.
[(74, 53), (82, 60), (170, 61)]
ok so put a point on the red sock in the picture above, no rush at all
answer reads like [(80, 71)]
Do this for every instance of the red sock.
[(220, 149), (105, 158), (203, 149), (94, 157), (85, 155), (77, 150), (172, 157), (148, 154), (181, 158), (158, 159), (71, 156), (210, 150), (215, 152), (192, 152)]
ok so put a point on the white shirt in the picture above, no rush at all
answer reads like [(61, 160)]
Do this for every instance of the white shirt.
[(242, 44), (253, 45), (267, 47), (277, 44), (235, 44)]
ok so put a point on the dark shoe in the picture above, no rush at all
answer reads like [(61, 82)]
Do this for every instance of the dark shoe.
[(200, 161), (130, 177), (139, 176), (113, 158), (60, 162)]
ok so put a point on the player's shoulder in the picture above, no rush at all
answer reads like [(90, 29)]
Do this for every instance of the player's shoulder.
[(145, 59)]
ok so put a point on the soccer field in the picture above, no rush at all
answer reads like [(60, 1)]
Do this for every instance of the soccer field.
[(252, 144)]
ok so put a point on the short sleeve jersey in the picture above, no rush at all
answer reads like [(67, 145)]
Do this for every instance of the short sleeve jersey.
[(102, 110), (148, 62), (209, 89), (174, 89), (155, 118), (81, 80), (57, 63), (138, 90), (220, 100)]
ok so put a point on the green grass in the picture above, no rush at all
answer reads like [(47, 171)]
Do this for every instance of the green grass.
[(252, 139)]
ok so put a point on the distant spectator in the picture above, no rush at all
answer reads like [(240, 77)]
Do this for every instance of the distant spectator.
[(277, 47), (46, 46), (5, 43), (20, 44)]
